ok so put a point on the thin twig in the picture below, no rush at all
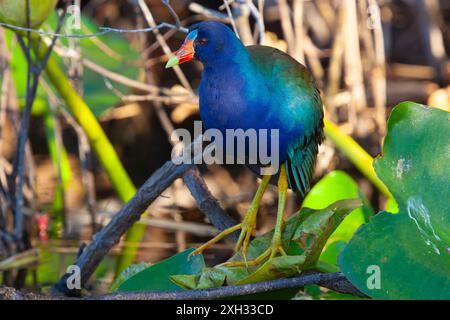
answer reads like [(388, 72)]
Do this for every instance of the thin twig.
[(298, 31), (159, 37), (354, 77), (172, 13), (242, 12), (230, 15), (103, 30), (208, 12), (6, 76), (127, 81), (286, 24), (337, 53), (259, 20), (378, 76), (190, 227)]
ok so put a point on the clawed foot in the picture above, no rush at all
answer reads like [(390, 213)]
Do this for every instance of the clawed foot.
[(248, 229), (216, 239), (274, 250), (248, 226)]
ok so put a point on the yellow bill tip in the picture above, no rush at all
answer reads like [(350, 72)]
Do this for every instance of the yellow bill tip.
[(173, 61)]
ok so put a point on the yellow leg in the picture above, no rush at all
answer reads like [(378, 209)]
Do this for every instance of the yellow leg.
[(276, 245), (278, 232), (249, 222), (248, 225)]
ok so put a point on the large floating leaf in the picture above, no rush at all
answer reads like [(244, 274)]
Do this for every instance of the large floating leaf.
[(157, 276), (304, 236), (128, 273), (407, 255), (337, 185)]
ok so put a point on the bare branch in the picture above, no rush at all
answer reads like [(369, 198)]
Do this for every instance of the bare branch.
[(207, 203), (110, 235), (172, 13), (334, 281)]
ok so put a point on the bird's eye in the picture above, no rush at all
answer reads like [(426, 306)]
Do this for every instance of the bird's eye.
[(202, 41)]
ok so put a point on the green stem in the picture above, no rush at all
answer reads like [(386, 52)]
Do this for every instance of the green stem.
[(356, 154), (326, 267), (100, 144), (60, 161)]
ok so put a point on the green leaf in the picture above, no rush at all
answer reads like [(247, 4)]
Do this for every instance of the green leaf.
[(58, 154), (208, 278), (60, 160), (111, 51), (157, 276), (128, 273), (276, 268), (406, 255), (304, 236), (14, 12), (337, 185)]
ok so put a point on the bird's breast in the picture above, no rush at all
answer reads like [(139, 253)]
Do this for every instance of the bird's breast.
[(230, 102)]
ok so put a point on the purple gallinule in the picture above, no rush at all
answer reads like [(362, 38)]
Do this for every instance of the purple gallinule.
[(257, 87)]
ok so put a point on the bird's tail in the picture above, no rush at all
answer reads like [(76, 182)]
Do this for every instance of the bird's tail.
[(300, 169)]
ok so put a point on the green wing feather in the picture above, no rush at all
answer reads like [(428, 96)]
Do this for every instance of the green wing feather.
[(302, 155), (300, 167), (305, 108)]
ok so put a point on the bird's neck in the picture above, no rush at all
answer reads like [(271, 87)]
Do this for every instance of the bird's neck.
[(234, 59), (229, 91), (233, 70)]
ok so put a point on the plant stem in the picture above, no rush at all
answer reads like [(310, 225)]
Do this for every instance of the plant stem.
[(356, 154)]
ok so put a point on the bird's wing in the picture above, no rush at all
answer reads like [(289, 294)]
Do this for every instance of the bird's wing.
[(305, 110), (301, 162)]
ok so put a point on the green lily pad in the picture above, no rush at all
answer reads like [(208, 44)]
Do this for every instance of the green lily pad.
[(304, 236), (156, 277), (337, 185), (128, 273), (407, 255)]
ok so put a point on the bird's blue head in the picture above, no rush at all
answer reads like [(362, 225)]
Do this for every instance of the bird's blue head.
[(210, 42)]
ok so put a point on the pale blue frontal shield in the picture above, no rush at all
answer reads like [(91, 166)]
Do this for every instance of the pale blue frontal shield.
[(192, 35)]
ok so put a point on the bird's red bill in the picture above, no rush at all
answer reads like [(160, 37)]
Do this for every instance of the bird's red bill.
[(185, 53)]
